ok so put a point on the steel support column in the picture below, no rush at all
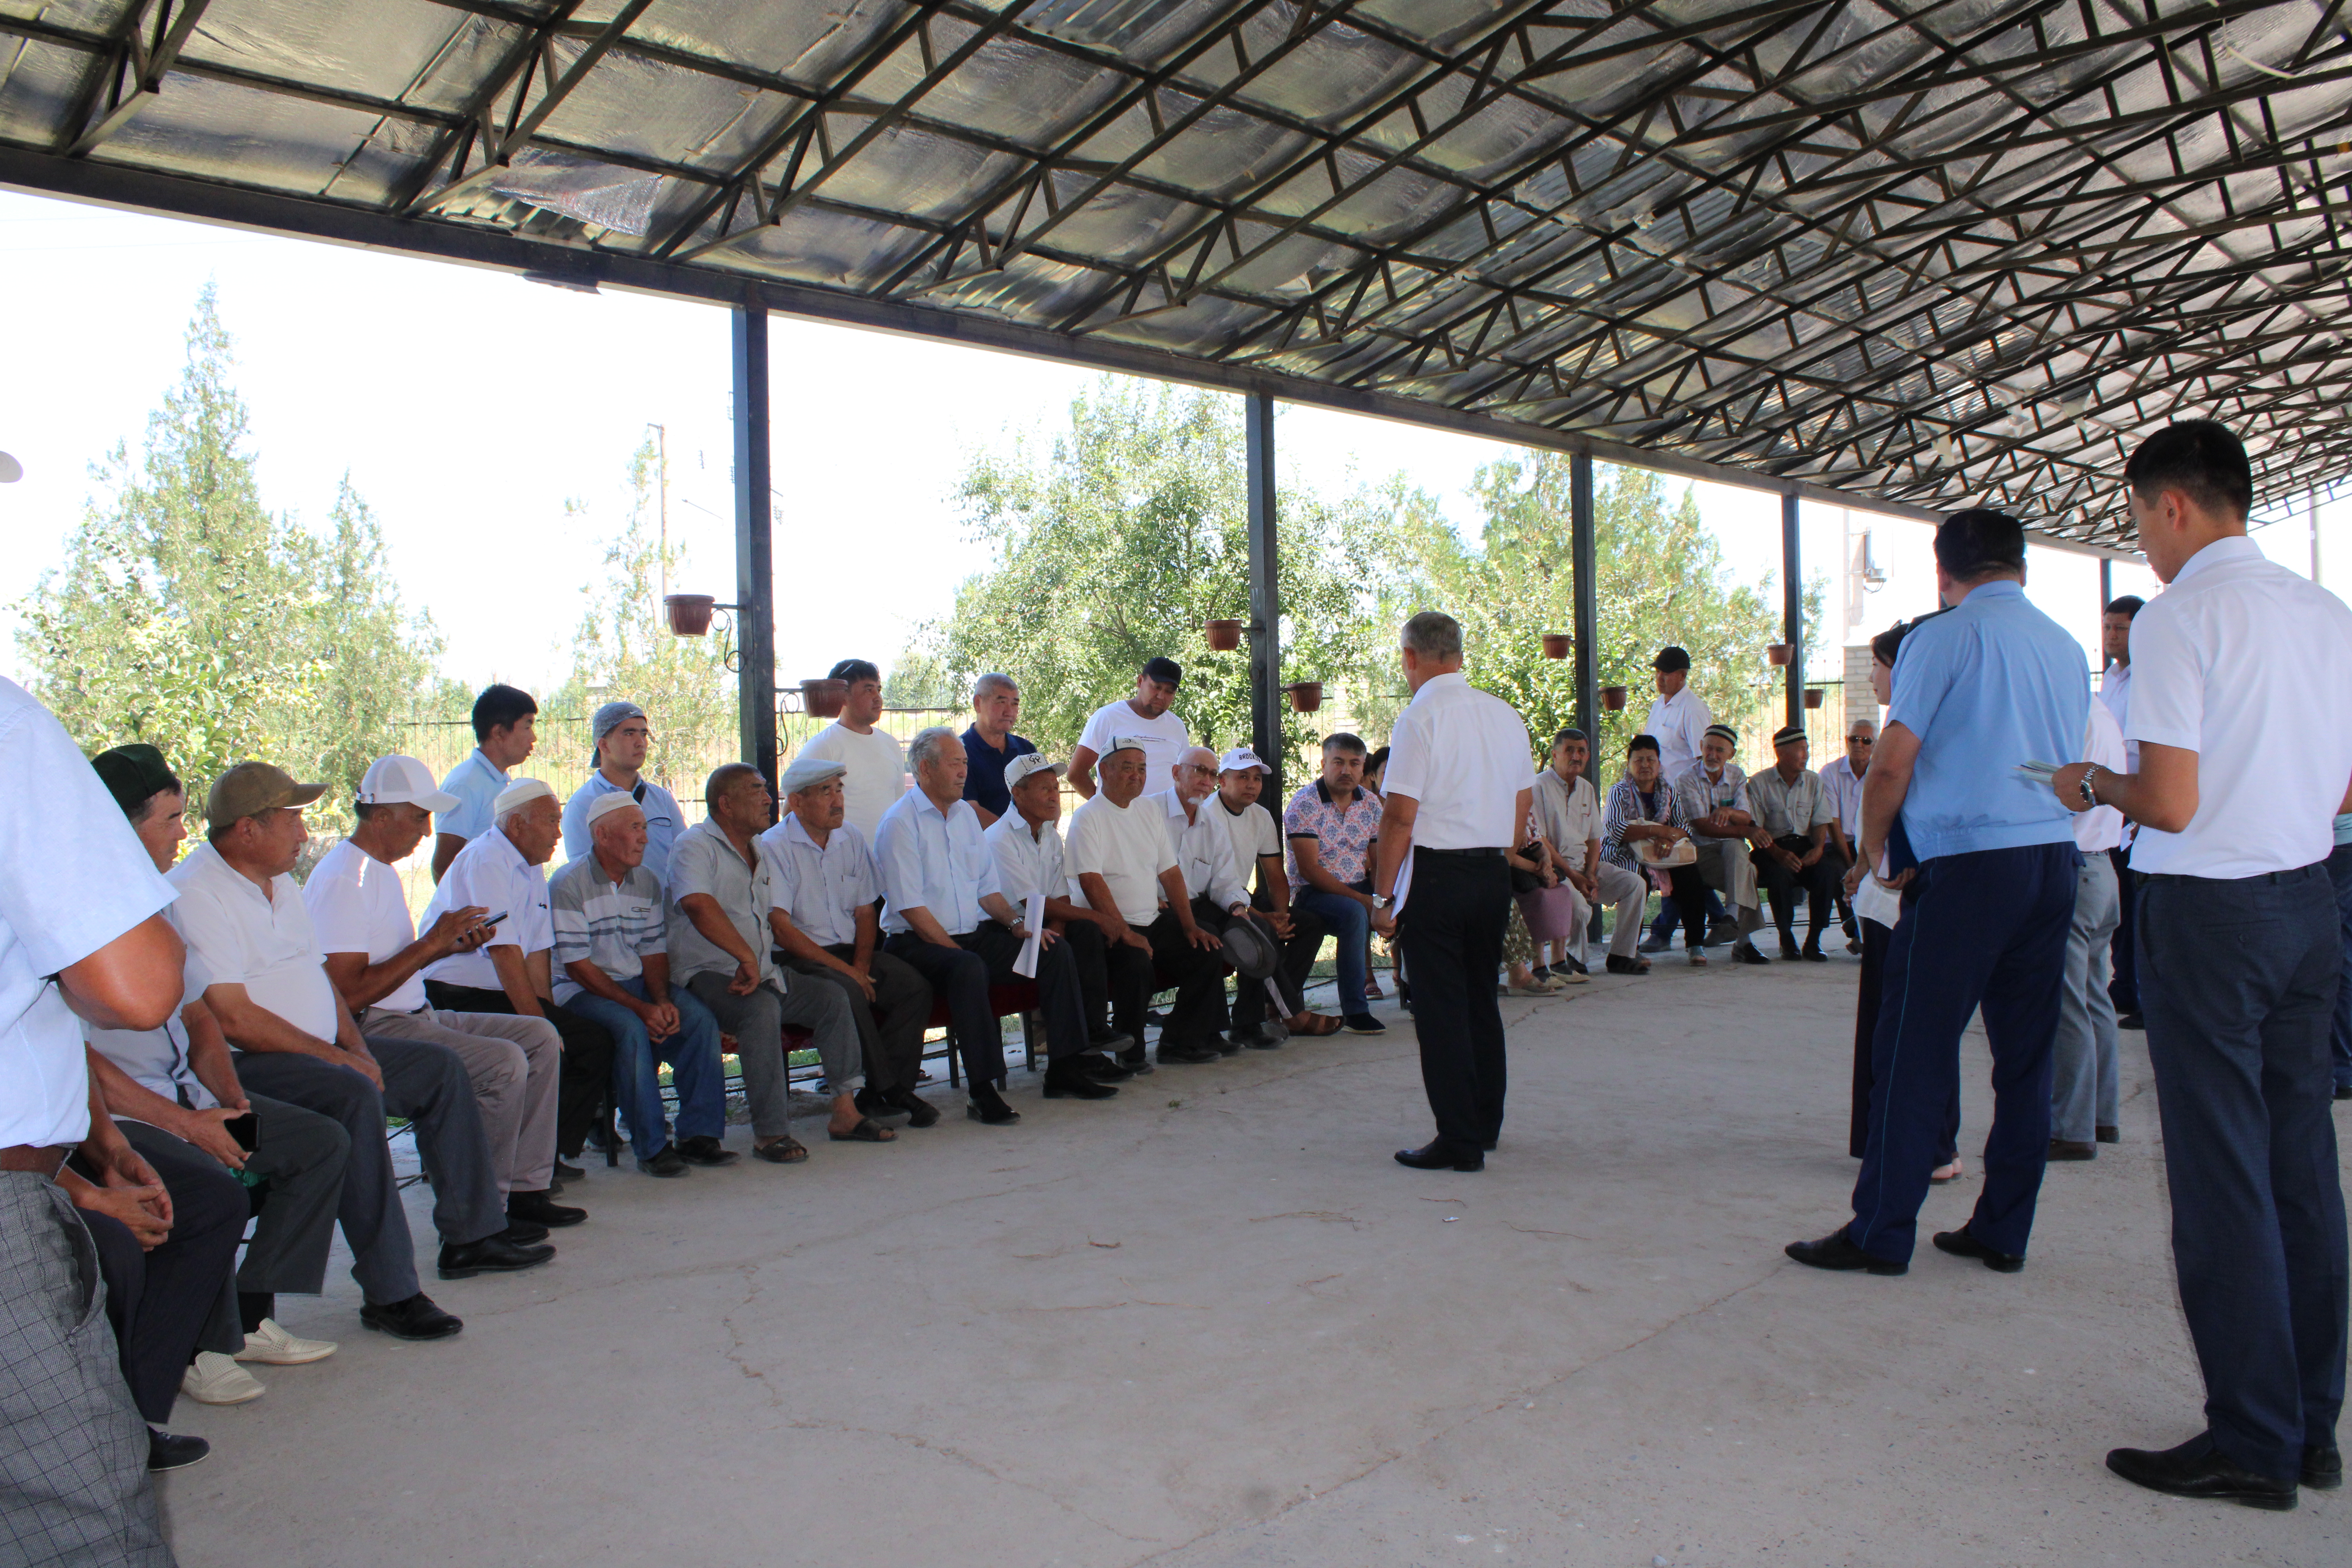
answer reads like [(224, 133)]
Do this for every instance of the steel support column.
[(2106, 591), (1584, 572), (1792, 606), (1265, 600), (755, 574)]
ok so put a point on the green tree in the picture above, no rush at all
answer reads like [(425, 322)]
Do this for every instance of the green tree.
[(188, 615), (1121, 542)]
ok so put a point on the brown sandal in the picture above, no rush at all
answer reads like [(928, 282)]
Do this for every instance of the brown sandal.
[(1313, 1025), (868, 1131), (785, 1151)]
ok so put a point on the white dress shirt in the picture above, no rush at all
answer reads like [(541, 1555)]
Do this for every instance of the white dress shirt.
[(1845, 796), (1128, 847), (262, 941), (1164, 739), (1678, 724), (2102, 742), (357, 905), (2250, 667), (934, 861), (1027, 863), (73, 877), (820, 889), (491, 872), (877, 776), (1204, 850), (2114, 690), (1463, 754)]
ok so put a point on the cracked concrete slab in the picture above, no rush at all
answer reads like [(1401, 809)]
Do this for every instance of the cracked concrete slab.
[(1210, 1324)]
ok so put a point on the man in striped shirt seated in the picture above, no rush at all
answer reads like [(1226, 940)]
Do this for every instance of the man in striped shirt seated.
[(612, 965)]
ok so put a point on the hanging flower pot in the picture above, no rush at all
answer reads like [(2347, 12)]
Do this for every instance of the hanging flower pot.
[(1613, 698), (1306, 696), (1223, 635), (824, 698), (1812, 696), (1780, 653), (688, 614), (1556, 644)]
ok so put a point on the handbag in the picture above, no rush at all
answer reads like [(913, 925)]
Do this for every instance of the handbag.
[(1522, 879)]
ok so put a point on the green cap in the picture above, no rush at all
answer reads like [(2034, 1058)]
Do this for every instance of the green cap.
[(133, 775), (249, 789)]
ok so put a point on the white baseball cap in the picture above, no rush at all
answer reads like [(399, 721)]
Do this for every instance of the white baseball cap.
[(1028, 762), (517, 795), (402, 781), (1240, 758)]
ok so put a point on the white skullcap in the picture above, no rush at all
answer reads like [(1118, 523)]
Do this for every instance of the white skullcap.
[(517, 795), (605, 804)]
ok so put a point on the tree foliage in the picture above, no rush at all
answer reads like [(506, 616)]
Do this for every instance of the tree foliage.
[(188, 615)]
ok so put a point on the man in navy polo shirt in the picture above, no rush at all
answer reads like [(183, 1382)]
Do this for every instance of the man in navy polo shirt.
[(990, 745)]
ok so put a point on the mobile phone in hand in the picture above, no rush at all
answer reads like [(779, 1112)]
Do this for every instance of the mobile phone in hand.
[(246, 1129)]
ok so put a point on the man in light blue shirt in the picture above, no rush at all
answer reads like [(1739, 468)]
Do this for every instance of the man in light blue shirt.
[(621, 738), (1991, 683), (506, 732)]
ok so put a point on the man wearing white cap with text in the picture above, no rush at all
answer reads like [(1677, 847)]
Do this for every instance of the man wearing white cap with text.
[(1027, 842), (1258, 846), (623, 738), (512, 971), (374, 958)]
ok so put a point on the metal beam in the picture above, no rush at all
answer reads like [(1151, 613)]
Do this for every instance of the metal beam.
[(755, 569), (1266, 597), (1584, 575), (1792, 605)]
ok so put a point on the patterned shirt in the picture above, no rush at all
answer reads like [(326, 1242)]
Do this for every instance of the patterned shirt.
[(614, 926), (1702, 797), (1788, 810), (1625, 808), (1342, 831)]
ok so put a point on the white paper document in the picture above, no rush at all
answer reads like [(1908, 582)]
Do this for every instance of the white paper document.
[(1034, 917)]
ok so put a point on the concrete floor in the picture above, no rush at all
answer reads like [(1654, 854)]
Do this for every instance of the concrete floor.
[(1210, 1323)]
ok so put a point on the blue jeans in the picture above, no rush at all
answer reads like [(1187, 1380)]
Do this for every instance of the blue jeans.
[(692, 1052), (1351, 924)]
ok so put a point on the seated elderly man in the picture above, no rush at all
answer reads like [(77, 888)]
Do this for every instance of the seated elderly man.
[(1792, 811), (1203, 846), (824, 925), (246, 921), (1257, 846), (1027, 842), (721, 891), (512, 972), (946, 917), (1568, 819), (612, 955), (1120, 859), (1714, 793)]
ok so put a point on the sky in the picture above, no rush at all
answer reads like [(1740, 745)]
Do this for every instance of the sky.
[(469, 407)]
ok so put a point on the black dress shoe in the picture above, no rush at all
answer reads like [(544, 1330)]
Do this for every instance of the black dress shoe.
[(2129, 1021), (2068, 1148), (1838, 1252), (1617, 965), (1066, 1079), (2108, 1135), (667, 1162), (538, 1208), (2323, 1466), (174, 1451), (1788, 948), (1102, 1068), (1439, 1155), (2197, 1469), (704, 1150), (988, 1106), (1813, 953), (416, 1319), (2344, 1092), (524, 1233), (1188, 1056), (1961, 1244), (1110, 1042), (1744, 952), (919, 1112), (564, 1173), (491, 1255), (1137, 1061)]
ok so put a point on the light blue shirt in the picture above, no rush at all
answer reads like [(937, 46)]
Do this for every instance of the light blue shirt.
[(1991, 683), (662, 821), (820, 889), (476, 782), (940, 862)]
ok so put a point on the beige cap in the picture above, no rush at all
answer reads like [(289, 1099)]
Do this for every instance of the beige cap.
[(249, 789)]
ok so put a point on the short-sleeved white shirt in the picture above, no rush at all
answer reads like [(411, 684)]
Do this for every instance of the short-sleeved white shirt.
[(1026, 863), (1462, 753), (1844, 786), (1254, 833), (263, 942), (820, 889), (476, 782), (1164, 739), (73, 877), (357, 905), (2250, 667), (1128, 847), (1678, 724), (491, 872), (1567, 812), (877, 776)]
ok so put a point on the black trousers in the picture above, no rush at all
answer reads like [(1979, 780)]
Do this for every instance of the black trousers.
[(1452, 935), (2123, 980), (587, 1056), (1299, 950), (1876, 938), (982, 957), (890, 1027), (161, 1300), (1817, 881), (1114, 979), (1686, 902), (1198, 1015)]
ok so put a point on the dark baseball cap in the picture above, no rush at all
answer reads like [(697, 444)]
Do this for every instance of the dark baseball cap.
[(1163, 669), (1671, 657)]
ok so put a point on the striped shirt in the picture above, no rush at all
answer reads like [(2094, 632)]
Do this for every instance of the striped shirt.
[(613, 926), (1625, 808)]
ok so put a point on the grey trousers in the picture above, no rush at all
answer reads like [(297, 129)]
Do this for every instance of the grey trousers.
[(1724, 865), (303, 1153), (73, 1451), (516, 1067), (1625, 893), (2082, 1090), (757, 1022), (890, 1027)]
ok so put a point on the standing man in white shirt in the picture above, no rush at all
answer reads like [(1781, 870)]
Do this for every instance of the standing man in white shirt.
[(875, 763), (506, 732), (1458, 799), (2083, 1070), (82, 931), (2114, 690), (622, 740), (377, 961), (1142, 718), (512, 972), (1678, 721), (1027, 842), (1567, 812), (2239, 661)]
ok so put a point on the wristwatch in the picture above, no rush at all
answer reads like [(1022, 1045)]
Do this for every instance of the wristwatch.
[(1383, 900), (2089, 800)]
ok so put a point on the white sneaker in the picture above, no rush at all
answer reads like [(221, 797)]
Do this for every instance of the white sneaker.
[(216, 1379), (273, 1346)]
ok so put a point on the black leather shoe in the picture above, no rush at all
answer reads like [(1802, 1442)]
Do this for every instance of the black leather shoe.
[(668, 1162), (491, 1255), (2108, 1134), (538, 1208), (174, 1451), (1813, 953), (1837, 1252), (1617, 965), (1102, 1068), (1188, 1056), (1788, 948), (988, 1106), (1961, 1244), (2344, 1092), (921, 1113), (524, 1233), (414, 1319), (1067, 1079), (2068, 1149), (1744, 952), (1137, 1061), (2323, 1467), (1439, 1155), (704, 1150), (2197, 1469), (1110, 1042), (564, 1173), (2129, 1021), (1264, 1037)]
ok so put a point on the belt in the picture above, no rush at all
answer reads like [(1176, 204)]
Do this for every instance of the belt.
[(33, 1157), (2273, 879), (1494, 854)]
